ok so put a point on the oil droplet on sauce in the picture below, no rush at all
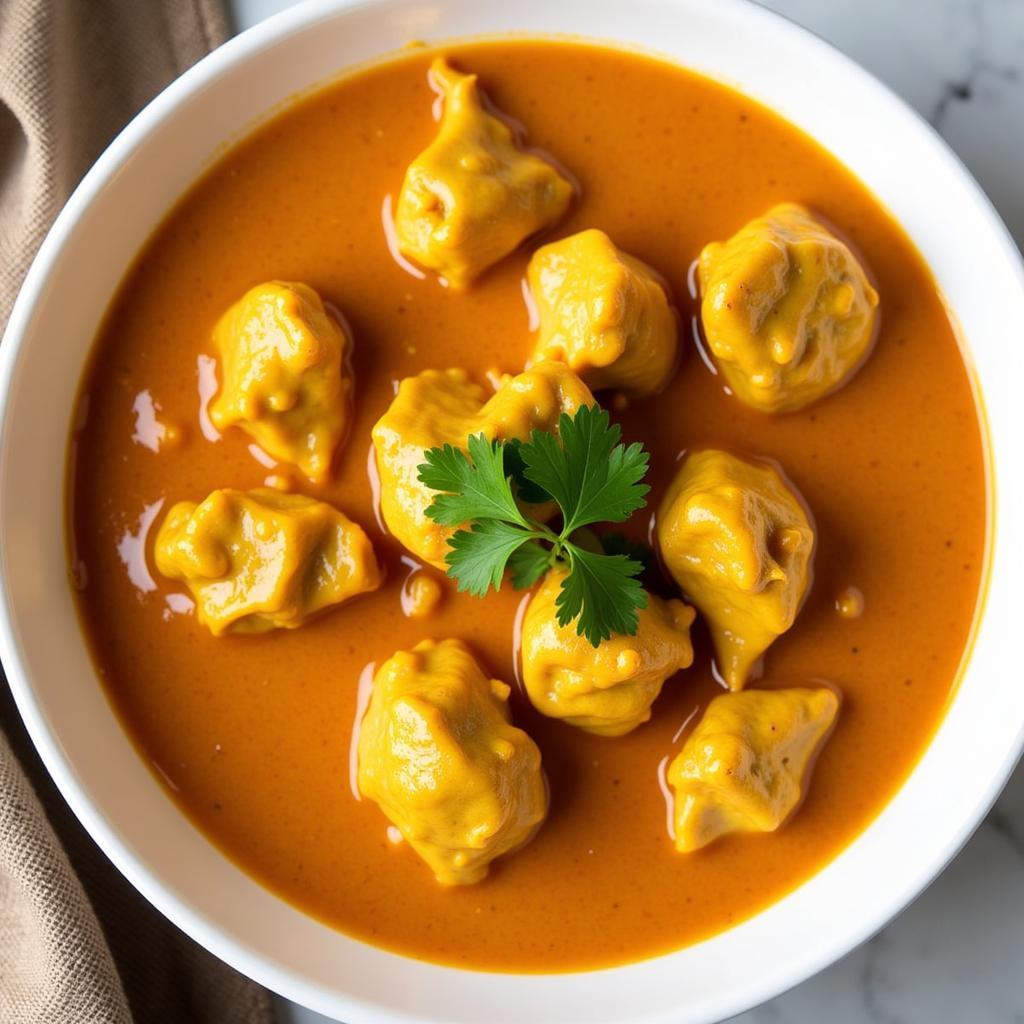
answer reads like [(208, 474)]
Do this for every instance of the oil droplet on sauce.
[(437, 105), (702, 351), (206, 372), (131, 549), (265, 460), (532, 313), (496, 378), (850, 603), (686, 721), (280, 482), (149, 431), (691, 279), (666, 792), (517, 643), (178, 604), (387, 220), (363, 694)]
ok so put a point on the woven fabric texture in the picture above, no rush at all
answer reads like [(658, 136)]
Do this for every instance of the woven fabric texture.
[(77, 944)]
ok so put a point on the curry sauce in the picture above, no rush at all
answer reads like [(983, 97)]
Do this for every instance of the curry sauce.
[(252, 735)]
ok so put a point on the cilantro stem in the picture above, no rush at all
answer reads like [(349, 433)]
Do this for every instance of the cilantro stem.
[(545, 533)]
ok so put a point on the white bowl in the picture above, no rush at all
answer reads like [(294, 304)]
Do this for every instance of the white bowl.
[(113, 793)]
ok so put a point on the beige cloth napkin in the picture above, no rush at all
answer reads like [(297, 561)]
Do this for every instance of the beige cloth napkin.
[(77, 944)]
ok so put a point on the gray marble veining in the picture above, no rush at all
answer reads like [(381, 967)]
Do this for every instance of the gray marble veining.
[(954, 957), (959, 63), (957, 955)]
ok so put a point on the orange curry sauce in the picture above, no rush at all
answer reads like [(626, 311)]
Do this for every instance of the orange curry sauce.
[(251, 734)]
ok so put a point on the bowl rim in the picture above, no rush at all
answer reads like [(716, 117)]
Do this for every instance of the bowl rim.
[(189, 918)]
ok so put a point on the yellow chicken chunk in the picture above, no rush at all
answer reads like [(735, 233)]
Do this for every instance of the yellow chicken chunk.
[(603, 313), (438, 754), (607, 689), (737, 539), (788, 312), (744, 767), (286, 380), (260, 560), (473, 195), (444, 407)]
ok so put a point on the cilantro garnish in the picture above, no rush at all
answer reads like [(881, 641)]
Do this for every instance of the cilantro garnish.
[(588, 473)]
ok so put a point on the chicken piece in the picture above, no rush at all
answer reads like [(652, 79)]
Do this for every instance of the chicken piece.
[(440, 757), (440, 407), (286, 377), (737, 538), (607, 690), (788, 312), (260, 560), (473, 195), (744, 767), (603, 313)]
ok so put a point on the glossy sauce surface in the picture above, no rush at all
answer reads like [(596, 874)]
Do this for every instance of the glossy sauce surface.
[(252, 733)]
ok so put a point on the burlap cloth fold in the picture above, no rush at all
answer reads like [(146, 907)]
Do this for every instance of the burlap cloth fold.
[(77, 944)]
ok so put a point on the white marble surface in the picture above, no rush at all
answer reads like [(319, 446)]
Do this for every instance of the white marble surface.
[(957, 955)]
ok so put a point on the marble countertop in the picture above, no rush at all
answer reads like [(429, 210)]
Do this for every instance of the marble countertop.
[(957, 955)]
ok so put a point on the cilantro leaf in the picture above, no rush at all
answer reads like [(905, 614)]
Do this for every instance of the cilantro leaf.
[(590, 475), (526, 490), (528, 563), (472, 487), (586, 470), (476, 557), (620, 544), (602, 594)]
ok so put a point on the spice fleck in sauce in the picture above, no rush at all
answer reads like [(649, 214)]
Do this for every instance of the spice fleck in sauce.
[(252, 733)]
